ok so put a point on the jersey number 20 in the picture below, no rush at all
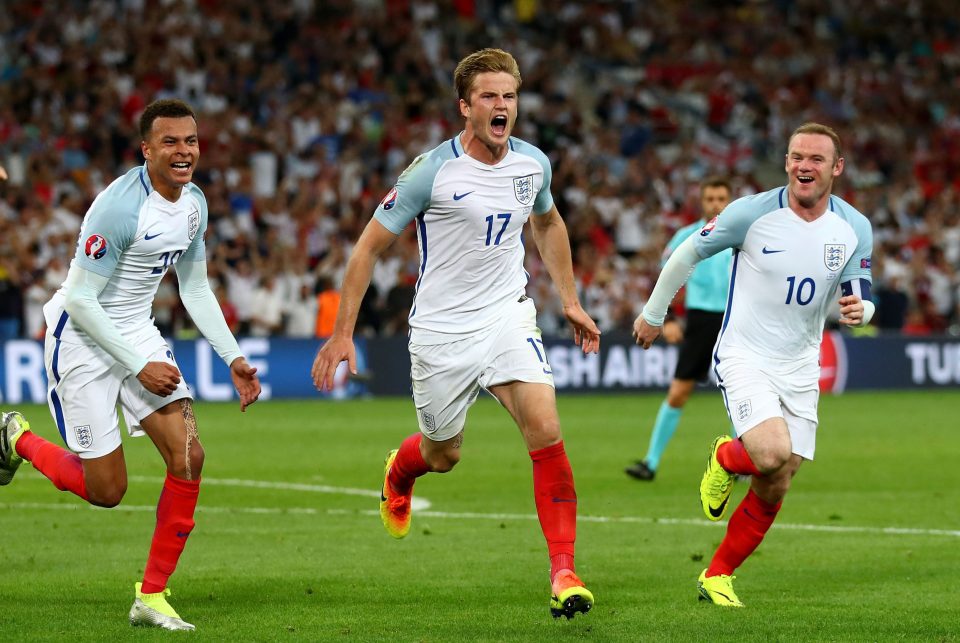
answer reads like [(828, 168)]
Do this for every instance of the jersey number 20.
[(168, 259)]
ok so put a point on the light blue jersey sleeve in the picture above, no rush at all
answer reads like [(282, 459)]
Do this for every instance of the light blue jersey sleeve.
[(411, 195), (859, 265), (544, 200), (197, 250), (730, 228), (708, 283), (679, 237), (110, 225)]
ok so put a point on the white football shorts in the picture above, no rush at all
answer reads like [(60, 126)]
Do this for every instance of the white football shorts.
[(446, 378), (84, 387), (754, 392)]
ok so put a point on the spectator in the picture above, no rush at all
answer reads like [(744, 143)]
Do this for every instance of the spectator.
[(328, 300), (266, 316), (284, 176)]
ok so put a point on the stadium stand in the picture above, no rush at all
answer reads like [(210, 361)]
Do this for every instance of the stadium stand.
[(309, 109)]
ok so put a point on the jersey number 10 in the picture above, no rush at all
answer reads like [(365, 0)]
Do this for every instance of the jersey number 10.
[(805, 290)]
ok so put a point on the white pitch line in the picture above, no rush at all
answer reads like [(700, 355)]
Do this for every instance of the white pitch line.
[(417, 503), (153, 508), (895, 531), (889, 531), (421, 506)]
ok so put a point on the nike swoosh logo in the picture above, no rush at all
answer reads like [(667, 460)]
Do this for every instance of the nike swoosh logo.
[(147, 237), (457, 197), (767, 251), (564, 500), (716, 513)]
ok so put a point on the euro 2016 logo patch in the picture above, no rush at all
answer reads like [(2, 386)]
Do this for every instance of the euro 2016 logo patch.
[(708, 228), (95, 246), (84, 436), (523, 189), (390, 199), (744, 409), (193, 224), (834, 255)]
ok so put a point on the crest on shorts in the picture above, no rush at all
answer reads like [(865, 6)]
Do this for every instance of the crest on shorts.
[(84, 436), (834, 255), (523, 189), (744, 409), (193, 224), (429, 423)]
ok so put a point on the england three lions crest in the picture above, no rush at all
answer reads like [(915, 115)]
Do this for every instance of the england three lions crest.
[(193, 224), (523, 189), (834, 255)]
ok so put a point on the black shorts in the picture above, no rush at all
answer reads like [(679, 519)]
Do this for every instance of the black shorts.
[(696, 351)]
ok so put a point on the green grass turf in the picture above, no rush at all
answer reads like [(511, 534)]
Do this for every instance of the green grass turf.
[(314, 564)]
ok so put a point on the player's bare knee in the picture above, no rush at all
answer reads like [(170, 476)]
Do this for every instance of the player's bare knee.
[(186, 464), (196, 459), (442, 461), (544, 433), (107, 497), (772, 459)]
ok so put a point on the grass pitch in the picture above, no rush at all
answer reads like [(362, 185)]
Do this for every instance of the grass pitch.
[(289, 546)]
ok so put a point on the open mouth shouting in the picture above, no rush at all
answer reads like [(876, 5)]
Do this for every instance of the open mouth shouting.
[(498, 125)]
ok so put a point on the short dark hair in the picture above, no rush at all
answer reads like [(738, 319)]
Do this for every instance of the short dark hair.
[(825, 130), (716, 181), (165, 108)]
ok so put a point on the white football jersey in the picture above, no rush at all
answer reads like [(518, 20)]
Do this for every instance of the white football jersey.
[(469, 218), (132, 236), (785, 273)]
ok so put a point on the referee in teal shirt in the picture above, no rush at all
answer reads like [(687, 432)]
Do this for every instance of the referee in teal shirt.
[(706, 299)]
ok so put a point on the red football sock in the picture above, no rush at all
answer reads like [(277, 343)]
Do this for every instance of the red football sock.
[(556, 500), (733, 457), (747, 527), (408, 465), (178, 501), (65, 469)]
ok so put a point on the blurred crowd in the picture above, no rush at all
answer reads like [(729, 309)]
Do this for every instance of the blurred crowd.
[(309, 109)]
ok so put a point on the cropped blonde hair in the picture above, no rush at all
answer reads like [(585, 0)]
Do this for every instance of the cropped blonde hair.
[(479, 62)]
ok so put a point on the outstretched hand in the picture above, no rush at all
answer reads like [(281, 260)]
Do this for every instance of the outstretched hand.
[(246, 382), (334, 351), (586, 333), (644, 333)]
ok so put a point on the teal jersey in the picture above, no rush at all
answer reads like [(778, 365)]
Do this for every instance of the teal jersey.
[(710, 279)]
